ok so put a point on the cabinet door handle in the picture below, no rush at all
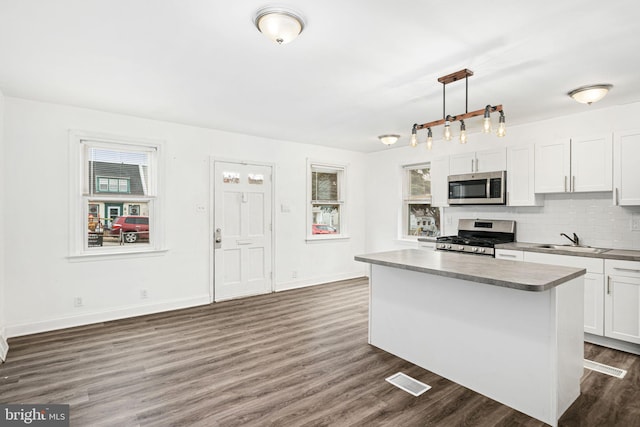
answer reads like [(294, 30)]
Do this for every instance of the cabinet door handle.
[(472, 165), (617, 200), (634, 270), (573, 183), (565, 183), (477, 168), (608, 285), (507, 256)]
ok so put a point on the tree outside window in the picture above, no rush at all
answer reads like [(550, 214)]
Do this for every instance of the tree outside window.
[(420, 219)]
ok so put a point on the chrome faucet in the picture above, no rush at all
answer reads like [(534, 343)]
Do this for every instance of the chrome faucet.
[(575, 241)]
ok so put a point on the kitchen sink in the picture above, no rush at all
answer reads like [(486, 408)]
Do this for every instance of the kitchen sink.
[(572, 248)]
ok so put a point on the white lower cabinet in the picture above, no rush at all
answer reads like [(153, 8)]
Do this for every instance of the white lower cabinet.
[(509, 254), (427, 246), (593, 285), (594, 304), (611, 306), (622, 300)]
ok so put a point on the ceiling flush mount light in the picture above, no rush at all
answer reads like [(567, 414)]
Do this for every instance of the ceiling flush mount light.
[(280, 25), (389, 139), (447, 118), (590, 94)]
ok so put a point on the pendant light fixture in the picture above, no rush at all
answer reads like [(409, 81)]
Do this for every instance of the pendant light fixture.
[(447, 118), (279, 24), (590, 94)]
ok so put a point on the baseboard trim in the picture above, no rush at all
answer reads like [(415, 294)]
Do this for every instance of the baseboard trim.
[(613, 343), (320, 280), (4, 348), (102, 316)]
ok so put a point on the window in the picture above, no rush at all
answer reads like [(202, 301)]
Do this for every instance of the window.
[(112, 185), (420, 219), (116, 209), (326, 215)]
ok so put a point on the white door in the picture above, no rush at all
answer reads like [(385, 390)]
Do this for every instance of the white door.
[(243, 230)]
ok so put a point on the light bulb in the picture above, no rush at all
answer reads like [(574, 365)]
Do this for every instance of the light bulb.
[(502, 127), (447, 131), (414, 135), (463, 133), (414, 140), (486, 122), (429, 139)]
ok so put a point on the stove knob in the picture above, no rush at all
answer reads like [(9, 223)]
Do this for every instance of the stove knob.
[(460, 248), (482, 250), (448, 246), (474, 249)]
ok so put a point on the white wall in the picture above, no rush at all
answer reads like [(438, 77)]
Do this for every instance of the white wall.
[(590, 215), (41, 282), (3, 306)]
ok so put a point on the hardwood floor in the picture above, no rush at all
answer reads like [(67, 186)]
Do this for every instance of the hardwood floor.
[(296, 358)]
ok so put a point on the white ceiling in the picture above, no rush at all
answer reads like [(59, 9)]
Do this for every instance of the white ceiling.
[(360, 68)]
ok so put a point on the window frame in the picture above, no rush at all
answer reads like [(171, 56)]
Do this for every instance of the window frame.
[(408, 199), (341, 169), (81, 196)]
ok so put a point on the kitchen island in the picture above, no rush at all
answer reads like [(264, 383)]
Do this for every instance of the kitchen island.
[(511, 331)]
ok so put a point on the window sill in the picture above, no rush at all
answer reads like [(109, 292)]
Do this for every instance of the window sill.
[(95, 256), (326, 238)]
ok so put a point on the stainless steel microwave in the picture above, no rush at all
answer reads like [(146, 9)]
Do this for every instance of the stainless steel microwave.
[(482, 188)]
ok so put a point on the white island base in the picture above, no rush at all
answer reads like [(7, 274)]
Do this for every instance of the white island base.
[(521, 348)]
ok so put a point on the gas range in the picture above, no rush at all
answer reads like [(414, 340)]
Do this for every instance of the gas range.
[(478, 236)]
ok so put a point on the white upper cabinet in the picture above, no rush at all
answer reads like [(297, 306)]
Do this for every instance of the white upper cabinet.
[(479, 161), (439, 184), (626, 169), (591, 163), (520, 174), (574, 165), (552, 166)]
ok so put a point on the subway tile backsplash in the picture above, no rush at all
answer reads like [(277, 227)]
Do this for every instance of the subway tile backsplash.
[(591, 216)]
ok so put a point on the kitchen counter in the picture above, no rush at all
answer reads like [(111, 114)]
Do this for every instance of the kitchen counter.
[(620, 254), (468, 318), (476, 268)]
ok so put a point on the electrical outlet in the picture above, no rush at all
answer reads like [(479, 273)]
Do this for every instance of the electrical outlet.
[(635, 222), (77, 302), (143, 294)]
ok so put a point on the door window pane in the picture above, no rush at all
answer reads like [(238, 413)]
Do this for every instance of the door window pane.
[(256, 178), (231, 177)]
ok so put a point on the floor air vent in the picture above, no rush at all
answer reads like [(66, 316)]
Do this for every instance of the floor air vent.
[(408, 384), (605, 369)]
